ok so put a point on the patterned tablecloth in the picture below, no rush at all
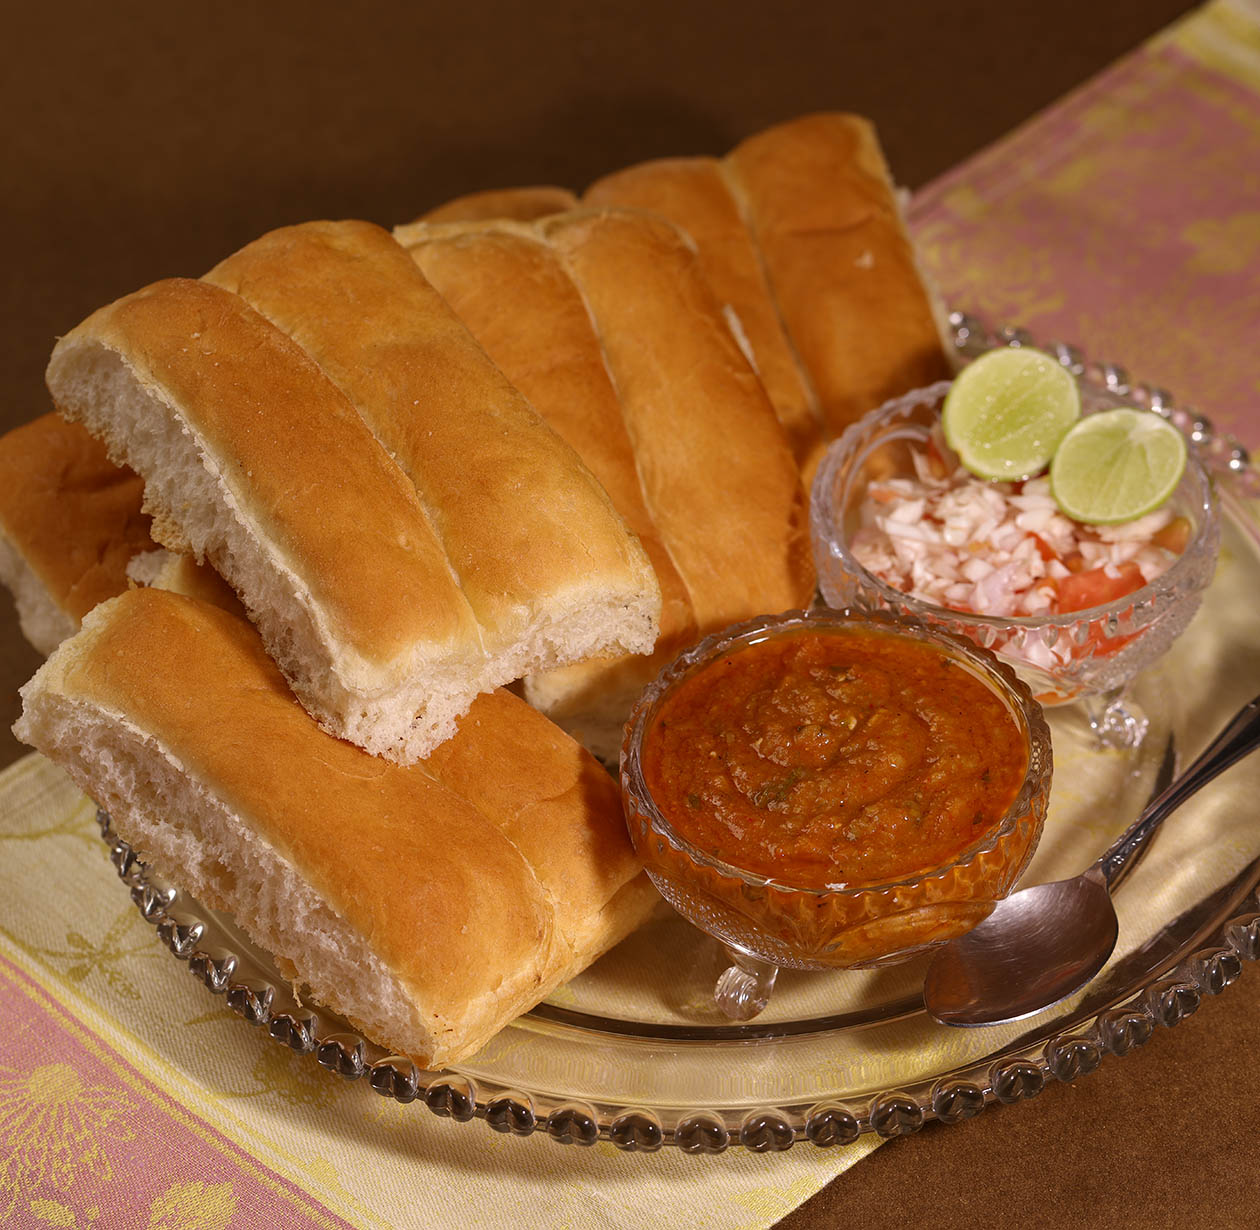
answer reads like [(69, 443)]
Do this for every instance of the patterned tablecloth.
[(1127, 219)]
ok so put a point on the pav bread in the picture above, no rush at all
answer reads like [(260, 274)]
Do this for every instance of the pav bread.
[(800, 232), (70, 520), (401, 526), (539, 551), (714, 462), (603, 320), (508, 285), (563, 819), (428, 904), (822, 206), (696, 194)]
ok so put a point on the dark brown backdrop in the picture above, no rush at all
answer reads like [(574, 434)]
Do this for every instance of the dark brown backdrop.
[(144, 140)]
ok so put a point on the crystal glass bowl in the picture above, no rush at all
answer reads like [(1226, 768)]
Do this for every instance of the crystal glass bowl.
[(1096, 651), (768, 922)]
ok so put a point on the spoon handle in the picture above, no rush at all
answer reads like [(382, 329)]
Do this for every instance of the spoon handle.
[(1241, 736)]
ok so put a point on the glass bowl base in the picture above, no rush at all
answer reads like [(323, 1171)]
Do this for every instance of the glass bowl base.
[(1118, 722), (744, 988)]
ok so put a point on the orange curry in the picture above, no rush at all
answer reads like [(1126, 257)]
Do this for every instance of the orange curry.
[(826, 757)]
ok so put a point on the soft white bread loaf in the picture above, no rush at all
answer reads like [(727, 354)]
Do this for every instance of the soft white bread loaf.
[(70, 520), (799, 230), (428, 904), (402, 528), (717, 472), (695, 194), (695, 461), (509, 287), (822, 206), (563, 821), (253, 459), (534, 542)]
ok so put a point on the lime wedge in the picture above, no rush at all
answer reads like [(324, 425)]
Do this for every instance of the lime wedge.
[(1117, 465), (1006, 413)]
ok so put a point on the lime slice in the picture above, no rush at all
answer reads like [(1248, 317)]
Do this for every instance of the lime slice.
[(1117, 465), (1006, 413)]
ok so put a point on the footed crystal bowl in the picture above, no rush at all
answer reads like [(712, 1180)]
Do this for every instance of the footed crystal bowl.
[(769, 921), (1089, 655)]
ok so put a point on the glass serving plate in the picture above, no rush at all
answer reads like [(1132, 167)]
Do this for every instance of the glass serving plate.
[(633, 1051)]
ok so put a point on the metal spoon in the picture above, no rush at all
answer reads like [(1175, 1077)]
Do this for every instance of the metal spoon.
[(1041, 944)]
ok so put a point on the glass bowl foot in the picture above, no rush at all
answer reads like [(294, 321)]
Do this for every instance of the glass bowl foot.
[(1117, 720), (744, 988)]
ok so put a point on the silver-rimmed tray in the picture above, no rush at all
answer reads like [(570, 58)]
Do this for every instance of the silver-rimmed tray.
[(633, 1052)]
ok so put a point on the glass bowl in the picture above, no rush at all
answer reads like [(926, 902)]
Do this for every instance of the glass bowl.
[(1088, 655), (768, 922)]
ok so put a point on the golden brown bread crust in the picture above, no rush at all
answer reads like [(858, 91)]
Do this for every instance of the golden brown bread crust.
[(823, 209), (288, 444), (719, 478), (526, 528), (74, 516), (481, 879), (507, 285), (694, 193), (522, 204), (564, 816), (517, 294)]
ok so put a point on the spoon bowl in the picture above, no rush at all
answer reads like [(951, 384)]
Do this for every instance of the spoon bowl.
[(1032, 951), (1044, 943)]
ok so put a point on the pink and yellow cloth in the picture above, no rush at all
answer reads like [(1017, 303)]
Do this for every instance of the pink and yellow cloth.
[(1125, 219)]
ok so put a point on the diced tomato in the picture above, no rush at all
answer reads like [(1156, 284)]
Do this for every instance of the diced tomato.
[(941, 460), (1174, 536), (1044, 549), (1096, 587)]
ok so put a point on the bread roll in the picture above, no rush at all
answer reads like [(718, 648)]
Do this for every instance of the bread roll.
[(521, 296), (694, 193), (429, 905), (535, 544), (394, 578), (563, 819), (716, 469), (521, 204), (822, 206), (508, 286), (253, 459), (69, 522)]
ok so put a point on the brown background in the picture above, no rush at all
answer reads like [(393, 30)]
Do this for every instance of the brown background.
[(145, 140)]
